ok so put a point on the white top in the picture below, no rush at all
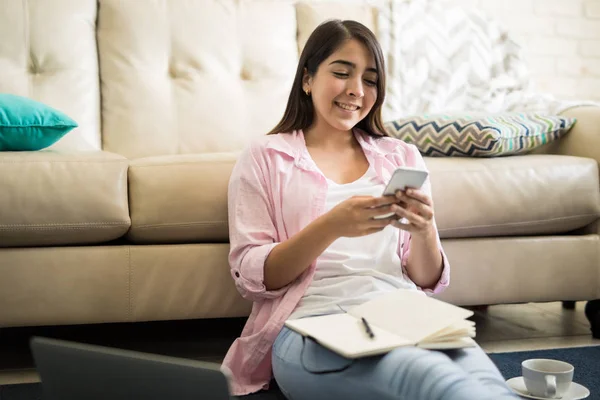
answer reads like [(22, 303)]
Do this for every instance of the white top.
[(354, 270)]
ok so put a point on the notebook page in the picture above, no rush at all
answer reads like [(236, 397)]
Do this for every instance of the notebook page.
[(346, 335), (462, 328), (410, 314), (452, 344)]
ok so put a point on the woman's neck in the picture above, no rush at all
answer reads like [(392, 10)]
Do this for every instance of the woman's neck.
[(329, 139)]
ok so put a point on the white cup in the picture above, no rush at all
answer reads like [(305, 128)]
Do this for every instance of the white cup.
[(547, 378)]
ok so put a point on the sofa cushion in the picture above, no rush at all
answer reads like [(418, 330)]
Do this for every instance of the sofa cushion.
[(518, 195), (309, 14), (201, 76), (183, 199), (186, 95), (51, 198), (180, 199)]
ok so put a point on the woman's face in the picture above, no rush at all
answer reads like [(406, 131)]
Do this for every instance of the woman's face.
[(344, 88)]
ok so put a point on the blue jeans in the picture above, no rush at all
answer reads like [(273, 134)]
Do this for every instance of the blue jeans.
[(408, 373)]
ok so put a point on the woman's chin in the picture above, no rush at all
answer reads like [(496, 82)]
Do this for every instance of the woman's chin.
[(344, 125)]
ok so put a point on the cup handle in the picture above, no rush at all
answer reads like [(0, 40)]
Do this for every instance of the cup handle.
[(550, 385)]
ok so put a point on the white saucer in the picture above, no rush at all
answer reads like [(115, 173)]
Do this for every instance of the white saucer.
[(575, 392)]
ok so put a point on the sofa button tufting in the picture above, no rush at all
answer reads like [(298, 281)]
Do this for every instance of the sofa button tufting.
[(245, 74), (172, 72)]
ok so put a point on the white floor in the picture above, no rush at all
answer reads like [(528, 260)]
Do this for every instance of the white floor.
[(502, 328)]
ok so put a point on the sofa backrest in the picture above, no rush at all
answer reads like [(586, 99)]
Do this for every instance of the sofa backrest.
[(161, 77), (48, 53), (200, 76), (145, 78)]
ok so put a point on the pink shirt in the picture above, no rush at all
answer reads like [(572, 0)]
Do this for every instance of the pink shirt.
[(275, 190)]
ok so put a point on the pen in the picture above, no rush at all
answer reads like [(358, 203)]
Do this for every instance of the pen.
[(367, 328)]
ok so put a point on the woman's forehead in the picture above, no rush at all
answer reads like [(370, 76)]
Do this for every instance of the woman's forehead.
[(355, 53)]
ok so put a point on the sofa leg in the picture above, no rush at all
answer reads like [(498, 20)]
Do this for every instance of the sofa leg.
[(568, 305), (592, 312)]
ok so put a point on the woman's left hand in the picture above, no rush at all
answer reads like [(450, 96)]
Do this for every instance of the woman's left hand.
[(417, 208)]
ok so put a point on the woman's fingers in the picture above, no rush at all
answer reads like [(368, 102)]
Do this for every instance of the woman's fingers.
[(372, 213), (412, 217), (416, 194), (376, 202), (377, 225), (419, 207)]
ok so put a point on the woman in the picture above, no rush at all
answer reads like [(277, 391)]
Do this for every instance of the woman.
[(304, 240)]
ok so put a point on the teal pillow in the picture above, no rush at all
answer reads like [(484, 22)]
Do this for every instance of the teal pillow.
[(28, 125), (479, 135)]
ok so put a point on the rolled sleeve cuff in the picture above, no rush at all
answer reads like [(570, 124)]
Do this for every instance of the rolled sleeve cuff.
[(249, 276)]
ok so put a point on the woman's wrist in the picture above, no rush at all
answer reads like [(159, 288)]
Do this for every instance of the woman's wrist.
[(428, 235), (327, 227)]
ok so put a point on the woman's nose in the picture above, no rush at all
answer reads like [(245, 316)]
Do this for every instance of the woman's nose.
[(355, 88)]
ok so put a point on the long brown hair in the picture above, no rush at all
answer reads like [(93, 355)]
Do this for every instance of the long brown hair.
[(326, 39)]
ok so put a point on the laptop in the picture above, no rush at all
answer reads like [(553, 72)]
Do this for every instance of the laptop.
[(76, 371)]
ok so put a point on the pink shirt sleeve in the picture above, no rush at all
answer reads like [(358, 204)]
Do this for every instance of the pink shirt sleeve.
[(416, 160), (252, 233)]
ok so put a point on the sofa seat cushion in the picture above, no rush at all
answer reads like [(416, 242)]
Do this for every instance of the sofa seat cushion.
[(54, 198), (519, 195), (180, 198), (183, 198)]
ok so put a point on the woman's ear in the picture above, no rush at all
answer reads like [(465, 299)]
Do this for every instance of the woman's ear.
[(306, 82)]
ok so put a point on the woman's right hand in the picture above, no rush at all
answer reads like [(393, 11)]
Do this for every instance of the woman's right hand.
[(354, 217)]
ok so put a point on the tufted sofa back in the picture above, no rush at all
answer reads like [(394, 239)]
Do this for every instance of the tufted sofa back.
[(163, 77), (199, 76), (146, 78)]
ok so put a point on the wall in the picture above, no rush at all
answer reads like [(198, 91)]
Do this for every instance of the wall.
[(560, 38)]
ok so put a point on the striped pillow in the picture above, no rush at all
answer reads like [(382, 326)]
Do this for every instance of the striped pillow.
[(478, 135)]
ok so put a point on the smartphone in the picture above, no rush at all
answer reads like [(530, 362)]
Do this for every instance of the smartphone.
[(402, 179)]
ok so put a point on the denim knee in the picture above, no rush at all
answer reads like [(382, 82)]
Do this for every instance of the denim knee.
[(413, 367)]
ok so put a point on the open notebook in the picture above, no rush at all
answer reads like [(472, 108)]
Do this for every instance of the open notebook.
[(400, 318)]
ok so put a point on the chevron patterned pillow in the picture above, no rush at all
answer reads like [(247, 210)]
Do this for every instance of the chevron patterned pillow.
[(483, 135)]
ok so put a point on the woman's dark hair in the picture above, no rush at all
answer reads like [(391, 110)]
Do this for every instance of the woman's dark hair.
[(326, 39)]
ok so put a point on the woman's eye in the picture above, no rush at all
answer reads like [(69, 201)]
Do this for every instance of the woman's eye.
[(340, 74), (370, 82)]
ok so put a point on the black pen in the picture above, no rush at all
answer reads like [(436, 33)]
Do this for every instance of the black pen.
[(367, 328)]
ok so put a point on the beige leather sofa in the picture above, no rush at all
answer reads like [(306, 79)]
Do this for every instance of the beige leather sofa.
[(125, 218)]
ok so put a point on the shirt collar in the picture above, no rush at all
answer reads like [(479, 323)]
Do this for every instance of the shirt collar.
[(294, 145)]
